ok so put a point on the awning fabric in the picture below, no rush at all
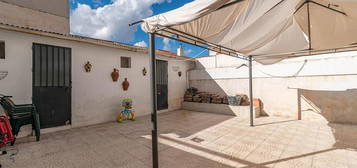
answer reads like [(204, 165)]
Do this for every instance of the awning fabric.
[(265, 28)]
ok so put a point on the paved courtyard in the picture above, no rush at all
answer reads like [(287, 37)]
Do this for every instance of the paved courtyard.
[(193, 140)]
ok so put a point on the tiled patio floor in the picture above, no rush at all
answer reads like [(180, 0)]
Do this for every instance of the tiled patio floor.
[(226, 141)]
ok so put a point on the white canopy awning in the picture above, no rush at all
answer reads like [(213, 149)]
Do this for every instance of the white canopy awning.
[(266, 29)]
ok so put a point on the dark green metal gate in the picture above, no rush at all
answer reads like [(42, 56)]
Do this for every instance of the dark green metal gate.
[(162, 84), (52, 84)]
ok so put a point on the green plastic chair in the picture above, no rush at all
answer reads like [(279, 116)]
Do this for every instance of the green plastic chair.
[(20, 115)]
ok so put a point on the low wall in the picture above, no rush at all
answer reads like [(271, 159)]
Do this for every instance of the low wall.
[(280, 96), (313, 89), (240, 111)]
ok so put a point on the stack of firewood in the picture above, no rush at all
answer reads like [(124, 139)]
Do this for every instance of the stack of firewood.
[(192, 95), (217, 99), (244, 100), (205, 97), (188, 96), (197, 98), (225, 100)]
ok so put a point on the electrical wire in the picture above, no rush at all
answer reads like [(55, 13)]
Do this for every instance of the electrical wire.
[(276, 76)]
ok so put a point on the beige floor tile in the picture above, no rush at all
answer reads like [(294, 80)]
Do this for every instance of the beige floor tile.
[(226, 141)]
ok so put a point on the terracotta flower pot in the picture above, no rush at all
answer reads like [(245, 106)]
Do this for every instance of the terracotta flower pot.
[(125, 84), (115, 75)]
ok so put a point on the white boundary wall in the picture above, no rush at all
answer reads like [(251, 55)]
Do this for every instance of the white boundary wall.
[(326, 84)]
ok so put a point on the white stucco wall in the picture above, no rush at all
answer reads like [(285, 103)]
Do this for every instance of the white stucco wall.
[(327, 82), (95, 97), (34, 18)]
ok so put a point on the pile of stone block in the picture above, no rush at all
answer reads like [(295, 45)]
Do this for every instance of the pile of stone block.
[(197, 98), (188, 96), (205, 97), (244, 100), (225, 100), (217, 99), (192, 95)]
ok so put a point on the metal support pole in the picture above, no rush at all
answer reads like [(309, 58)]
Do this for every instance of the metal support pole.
[(251, 91), (155, 154)]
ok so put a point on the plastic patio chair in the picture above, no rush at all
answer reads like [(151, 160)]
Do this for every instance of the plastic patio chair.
[(20, 115)]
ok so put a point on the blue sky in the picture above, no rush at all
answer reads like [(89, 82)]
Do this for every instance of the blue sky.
[(108, 19)]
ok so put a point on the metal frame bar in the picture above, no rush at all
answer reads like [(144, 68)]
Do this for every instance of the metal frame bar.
[(70, 83), (33, 71), (58, 67), (198, 41), (218, 50), (327, 7), (251, 92), (53, 67), (308, 52), (309, 24), (155, 154), (47, 66), (40, 46), (64, 67)]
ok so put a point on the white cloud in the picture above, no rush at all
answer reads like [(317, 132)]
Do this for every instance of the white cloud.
[(188, 52), (111, 21), (141, 44), (167, 45), (97, 3)]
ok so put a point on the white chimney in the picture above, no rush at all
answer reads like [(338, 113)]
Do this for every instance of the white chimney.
[(180, 51)]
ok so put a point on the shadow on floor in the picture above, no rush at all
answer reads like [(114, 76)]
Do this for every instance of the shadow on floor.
[(277, 122), (185, 123), (220, 158)]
